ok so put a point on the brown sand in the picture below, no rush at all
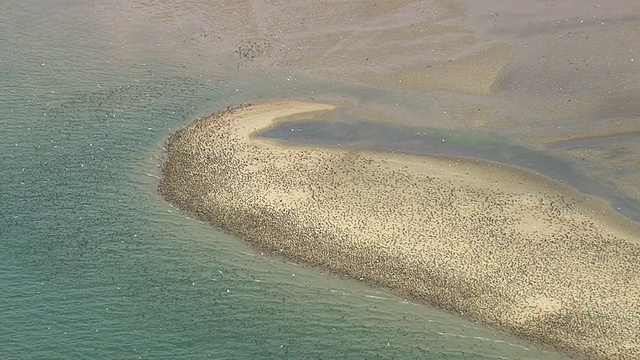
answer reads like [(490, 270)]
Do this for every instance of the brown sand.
[(492, 243)]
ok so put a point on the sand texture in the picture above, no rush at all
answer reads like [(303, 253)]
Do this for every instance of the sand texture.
[(495, 244)]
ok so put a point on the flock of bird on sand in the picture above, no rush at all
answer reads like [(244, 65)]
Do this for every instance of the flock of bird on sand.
[(531, 262)]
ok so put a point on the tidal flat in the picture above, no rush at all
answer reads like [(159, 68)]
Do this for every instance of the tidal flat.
[(97, 265)]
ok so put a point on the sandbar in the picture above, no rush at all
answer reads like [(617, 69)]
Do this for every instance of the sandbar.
[(495, 244)]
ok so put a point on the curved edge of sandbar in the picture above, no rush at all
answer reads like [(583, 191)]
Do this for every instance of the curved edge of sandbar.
[(499, 245)]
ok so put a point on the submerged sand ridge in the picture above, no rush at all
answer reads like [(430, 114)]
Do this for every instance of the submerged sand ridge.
[(493, 243)]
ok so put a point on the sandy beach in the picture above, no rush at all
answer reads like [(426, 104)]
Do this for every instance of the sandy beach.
[(495, 244)]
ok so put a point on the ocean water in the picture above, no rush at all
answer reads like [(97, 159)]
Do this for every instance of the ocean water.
[(94, 264)]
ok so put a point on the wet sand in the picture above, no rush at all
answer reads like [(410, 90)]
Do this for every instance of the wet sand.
[(342, 131), (492, 243)]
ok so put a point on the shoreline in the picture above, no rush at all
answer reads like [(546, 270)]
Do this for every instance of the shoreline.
[(498, 245)]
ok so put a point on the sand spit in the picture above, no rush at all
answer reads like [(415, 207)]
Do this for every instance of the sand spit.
[(489, 242)]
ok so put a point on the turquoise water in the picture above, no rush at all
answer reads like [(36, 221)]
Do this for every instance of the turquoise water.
[(93, 264)]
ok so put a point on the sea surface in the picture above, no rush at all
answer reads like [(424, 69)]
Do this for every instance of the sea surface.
[(94, 264)]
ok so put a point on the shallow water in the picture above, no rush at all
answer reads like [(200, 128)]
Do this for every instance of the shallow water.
[(95, 265), (346, 130)]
